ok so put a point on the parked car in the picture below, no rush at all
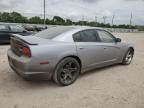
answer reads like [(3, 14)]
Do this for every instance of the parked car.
[(29, 27), (6, 31), (35, 28), (41, 27), (62, 53)]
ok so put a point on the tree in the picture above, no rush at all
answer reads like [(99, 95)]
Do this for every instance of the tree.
[(35, 20), (140, 28), (48, 21), (5, 17), (0, 16), (17, 18), (58, 20), (68, 22)]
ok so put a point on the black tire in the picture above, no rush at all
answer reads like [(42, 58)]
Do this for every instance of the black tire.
[(67, 71), (127, 60)]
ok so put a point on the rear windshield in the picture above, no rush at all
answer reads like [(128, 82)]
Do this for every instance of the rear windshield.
[(53, 32)]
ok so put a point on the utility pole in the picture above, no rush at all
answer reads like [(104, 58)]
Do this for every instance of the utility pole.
[(82, 20), (113, 19), (44, 12), (104, 17), (96, 18), (131, 17)]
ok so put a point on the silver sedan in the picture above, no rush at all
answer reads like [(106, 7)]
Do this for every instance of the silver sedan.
[(62, 53)]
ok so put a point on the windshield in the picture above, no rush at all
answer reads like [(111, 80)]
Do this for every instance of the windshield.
[(51, 33)]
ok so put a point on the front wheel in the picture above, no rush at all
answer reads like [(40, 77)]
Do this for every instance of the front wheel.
[(128, 57), (67, 71)]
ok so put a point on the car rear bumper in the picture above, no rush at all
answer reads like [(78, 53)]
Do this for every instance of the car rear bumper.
[(22, 67)]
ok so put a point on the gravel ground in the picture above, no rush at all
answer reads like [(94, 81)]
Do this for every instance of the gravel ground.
[(112, 87)]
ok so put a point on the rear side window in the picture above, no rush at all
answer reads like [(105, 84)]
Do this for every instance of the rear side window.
[(3, 28), (86, 36), (105, 36), (77, 37)]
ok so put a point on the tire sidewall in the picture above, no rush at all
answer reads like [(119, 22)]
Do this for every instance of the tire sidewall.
[(57, 72), (124, 62)]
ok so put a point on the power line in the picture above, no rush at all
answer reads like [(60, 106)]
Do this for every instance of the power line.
[(96, 18), (104, 18), (131, 17), (83, 18), (113, 19), (44, 13)]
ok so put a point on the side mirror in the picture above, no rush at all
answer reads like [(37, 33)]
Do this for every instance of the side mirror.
[(118, 40)]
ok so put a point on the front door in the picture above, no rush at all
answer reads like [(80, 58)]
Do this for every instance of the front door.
[(111, 48)]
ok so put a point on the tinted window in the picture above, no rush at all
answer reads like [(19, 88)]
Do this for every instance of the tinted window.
[(77, 37), (105, 36), (16, 28), (51, 33), (3, 28), (86, 36)]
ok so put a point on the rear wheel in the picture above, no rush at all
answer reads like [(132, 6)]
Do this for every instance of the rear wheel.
[(67, 71), (128, 57)]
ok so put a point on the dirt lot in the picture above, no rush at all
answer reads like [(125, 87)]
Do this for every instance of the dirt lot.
[(113, 87)]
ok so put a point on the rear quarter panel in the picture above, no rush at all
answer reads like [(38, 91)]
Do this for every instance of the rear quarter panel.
[(52, 53)]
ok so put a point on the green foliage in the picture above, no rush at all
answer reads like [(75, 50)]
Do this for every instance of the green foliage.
[(15, 17), (140, 28), (58, 20), (5, 17), (68, 22), (35, 20)]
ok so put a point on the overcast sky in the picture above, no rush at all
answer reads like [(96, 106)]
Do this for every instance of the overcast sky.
[(75, 9)]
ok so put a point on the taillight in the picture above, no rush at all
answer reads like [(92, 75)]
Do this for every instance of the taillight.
[(26, 51)]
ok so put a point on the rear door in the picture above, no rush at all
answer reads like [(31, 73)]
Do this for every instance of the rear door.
[(4, 34), (112, 49)]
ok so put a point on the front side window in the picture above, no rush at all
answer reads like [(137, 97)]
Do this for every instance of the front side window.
[(105, 36)]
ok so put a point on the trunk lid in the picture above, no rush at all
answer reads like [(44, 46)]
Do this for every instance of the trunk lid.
[(19, 42), (32, 40)]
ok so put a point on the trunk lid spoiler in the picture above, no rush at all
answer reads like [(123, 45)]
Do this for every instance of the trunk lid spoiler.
[(24, 39), (33, 40)]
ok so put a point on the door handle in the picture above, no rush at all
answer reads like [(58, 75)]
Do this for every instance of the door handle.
[(105, 48), (81, 48)]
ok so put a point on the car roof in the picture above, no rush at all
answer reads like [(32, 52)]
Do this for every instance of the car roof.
[(79, 27), (67, 36), (6, 24)]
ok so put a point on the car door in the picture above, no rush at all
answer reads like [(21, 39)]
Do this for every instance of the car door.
[(88, 48), (4, 34), (112, 49)]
